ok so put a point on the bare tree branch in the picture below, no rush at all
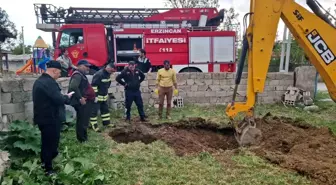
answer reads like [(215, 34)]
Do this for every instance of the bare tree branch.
[(230, 16), (192, 3)]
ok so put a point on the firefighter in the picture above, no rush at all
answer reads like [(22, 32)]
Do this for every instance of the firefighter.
[(83, 98), (143, 63), (101, 82), (131, 79)]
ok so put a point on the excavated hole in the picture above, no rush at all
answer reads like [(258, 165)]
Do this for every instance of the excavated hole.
[(124, 136), (183, 139), (288, 143)]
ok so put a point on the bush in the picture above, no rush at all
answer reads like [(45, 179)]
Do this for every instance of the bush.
[(23, 142), (22, 137)]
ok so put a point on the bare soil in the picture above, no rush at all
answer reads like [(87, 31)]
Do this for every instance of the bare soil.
[(298, 146), (186, 137), (292, 145)]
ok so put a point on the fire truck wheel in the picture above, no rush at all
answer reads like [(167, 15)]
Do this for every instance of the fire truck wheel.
[(190, 70)]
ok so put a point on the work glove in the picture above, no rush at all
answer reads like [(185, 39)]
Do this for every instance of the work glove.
[(156, 91), (175, 92), (96, 100)]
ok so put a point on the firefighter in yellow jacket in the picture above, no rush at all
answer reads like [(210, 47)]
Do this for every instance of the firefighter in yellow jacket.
[(101, 82)]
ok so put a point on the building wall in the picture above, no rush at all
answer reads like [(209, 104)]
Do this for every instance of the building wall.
[(13, 66)]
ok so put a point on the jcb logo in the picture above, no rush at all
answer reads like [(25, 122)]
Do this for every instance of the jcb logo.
[(321, 47)]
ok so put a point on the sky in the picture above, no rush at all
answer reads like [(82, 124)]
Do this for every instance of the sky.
[(21, 12)]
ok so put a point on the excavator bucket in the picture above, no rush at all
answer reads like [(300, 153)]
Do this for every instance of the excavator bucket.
[(247, 134)]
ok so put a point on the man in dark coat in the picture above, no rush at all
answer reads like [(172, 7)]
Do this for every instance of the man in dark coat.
[(48, 100), (83, 99)]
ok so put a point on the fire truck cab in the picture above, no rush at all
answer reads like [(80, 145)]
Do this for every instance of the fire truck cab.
[(188, 37)]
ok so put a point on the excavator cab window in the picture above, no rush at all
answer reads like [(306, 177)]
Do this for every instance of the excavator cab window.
[(316, 7), (71, 37)]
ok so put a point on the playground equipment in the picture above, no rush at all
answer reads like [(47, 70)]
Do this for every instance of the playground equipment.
[(37, 64)]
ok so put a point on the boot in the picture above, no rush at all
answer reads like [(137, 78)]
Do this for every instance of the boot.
[(111, 125), (160, 112), (143, 119), (95, 127), (50, 173), (168, 112)]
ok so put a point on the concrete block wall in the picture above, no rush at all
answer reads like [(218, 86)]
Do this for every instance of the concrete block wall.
[(305, 78), (195, 88), (214, 88)]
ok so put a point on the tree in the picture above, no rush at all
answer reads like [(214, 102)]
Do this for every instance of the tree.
[(230, 18), (332, 18), (192, 3), (18, 47), (8, 30), (7, 33), (297, 54), (19, 51)]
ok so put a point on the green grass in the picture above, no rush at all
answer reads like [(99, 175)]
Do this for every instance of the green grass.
[(325, 116), (156, 163), (214, 113)]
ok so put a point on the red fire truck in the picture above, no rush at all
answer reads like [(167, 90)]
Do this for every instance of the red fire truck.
[(188, 37)]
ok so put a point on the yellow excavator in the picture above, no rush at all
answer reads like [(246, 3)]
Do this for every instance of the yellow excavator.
[(314, 32)]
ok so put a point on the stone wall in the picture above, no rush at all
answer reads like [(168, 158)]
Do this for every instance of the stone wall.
[(305, 78), (16, 100), (195, 88)]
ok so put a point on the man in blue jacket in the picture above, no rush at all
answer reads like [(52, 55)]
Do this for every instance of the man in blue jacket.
[(131, 79)]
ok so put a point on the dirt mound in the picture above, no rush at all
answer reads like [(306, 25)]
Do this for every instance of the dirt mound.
[(185, 137), (293, 145), (298, 146)]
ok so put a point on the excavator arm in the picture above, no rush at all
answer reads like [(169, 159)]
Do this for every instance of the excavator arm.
[(313, 31)]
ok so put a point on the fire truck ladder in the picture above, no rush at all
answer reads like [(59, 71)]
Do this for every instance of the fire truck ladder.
[(50, 17), (53, 16)]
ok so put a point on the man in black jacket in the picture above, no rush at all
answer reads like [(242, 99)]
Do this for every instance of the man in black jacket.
[(131, 79), (48, 100), (143, 63), (101, 82)]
